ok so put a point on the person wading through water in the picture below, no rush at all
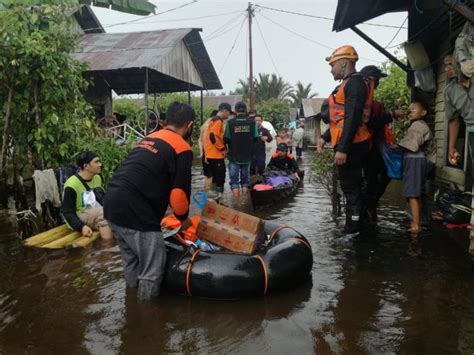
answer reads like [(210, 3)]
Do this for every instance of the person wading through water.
[(240, 135), (214, 148), (156, 173), (349, 112)]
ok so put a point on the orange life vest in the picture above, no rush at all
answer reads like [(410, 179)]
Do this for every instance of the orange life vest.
[(171, 222), (337, 114)]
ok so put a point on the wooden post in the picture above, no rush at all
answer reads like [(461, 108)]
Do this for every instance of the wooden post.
[(463, 9), (202, 108), (251, 88), (470, 137), (146, 101)]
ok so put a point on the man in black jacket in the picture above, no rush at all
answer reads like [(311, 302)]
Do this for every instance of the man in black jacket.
[(240, 134), (350, 136), (156, 173)]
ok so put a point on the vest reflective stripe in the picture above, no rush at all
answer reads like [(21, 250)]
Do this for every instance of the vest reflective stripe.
[(337, 113)]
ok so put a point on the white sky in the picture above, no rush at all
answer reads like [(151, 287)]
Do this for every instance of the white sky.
[(294, 58)]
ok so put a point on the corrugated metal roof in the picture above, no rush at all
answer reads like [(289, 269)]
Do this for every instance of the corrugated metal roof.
[(177, 60), (311, 107), (215, 101)]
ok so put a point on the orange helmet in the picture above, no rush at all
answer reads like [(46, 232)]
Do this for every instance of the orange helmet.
[(343, 52)]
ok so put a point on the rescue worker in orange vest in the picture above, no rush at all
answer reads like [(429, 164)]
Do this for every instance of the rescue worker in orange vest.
[(214, 146), (349, 112)]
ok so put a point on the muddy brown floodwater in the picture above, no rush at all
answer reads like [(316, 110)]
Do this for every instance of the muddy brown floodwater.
[(378, 293)]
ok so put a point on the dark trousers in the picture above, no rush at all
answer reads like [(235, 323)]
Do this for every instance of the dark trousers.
[(351, 176), (377, 178), (217, 168), (299, 152), (144, 259), (258, 164)]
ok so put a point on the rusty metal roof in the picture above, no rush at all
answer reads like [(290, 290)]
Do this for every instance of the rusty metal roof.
[(177, 60)]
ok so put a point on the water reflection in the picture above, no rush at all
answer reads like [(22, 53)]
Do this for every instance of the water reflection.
[(380, 293)]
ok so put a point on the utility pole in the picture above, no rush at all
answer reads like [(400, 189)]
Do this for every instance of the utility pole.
[(250, 11)]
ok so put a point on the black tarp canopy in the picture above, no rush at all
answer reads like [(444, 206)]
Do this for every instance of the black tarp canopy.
[(353, 12)]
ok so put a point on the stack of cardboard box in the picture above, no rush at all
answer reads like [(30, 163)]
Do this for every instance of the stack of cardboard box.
[(230, 229)]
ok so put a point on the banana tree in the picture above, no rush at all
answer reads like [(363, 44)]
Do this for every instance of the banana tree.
[(135, 7)]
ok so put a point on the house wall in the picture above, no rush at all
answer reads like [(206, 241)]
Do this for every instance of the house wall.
[(312, 130)]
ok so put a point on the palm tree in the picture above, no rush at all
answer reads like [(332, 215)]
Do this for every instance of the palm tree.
[(243, 89), (302, 92), (271, 86), (267, 86)]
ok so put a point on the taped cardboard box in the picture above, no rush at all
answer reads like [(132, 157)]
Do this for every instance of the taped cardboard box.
[(230, 229)]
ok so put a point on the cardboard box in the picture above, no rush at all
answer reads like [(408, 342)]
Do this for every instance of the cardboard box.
[(231, 217), (230, 229)]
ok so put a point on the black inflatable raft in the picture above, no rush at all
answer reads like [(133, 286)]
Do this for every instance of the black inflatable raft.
[(271, 197), (285, 261)]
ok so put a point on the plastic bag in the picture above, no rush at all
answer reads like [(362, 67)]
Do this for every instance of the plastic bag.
[(393, 159)]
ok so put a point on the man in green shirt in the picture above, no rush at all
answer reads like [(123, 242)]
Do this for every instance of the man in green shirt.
[(81, 210)]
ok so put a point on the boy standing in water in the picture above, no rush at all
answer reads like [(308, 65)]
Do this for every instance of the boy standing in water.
[(419, 159)]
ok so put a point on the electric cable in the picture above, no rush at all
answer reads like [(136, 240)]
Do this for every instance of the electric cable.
[(266, 46), (141, 18), (186, 18), (321, 17), (396, 34), (233, 46)]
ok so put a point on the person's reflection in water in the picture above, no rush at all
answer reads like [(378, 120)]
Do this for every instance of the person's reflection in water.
[(189, 325), (358, 303)]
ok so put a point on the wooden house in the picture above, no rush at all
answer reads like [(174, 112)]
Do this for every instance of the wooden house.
[(435, 24)]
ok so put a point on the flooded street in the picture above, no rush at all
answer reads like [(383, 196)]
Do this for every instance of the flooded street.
[(377, 293)]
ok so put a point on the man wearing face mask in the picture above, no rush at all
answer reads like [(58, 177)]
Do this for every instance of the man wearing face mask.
[(349, 113), (156, 173)]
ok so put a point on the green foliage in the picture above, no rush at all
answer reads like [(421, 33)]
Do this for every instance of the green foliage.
[(111, 154), (273, 110), (394, 93), (48, 110), (321, 170), (323, 173), (135, 7)]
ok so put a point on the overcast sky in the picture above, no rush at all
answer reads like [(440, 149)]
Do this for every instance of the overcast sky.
[(289, 54)]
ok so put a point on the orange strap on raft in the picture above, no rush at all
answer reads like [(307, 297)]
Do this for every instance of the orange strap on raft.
[(278, 230), (188, 272), (302, 241), (265, 273)]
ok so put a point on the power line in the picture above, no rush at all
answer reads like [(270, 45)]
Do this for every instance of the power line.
[(309, 39), (441, 13), (266, 46), (233, 46), (321, 17), (396, 34), (142, 18), (186, 19), (213, 34)]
